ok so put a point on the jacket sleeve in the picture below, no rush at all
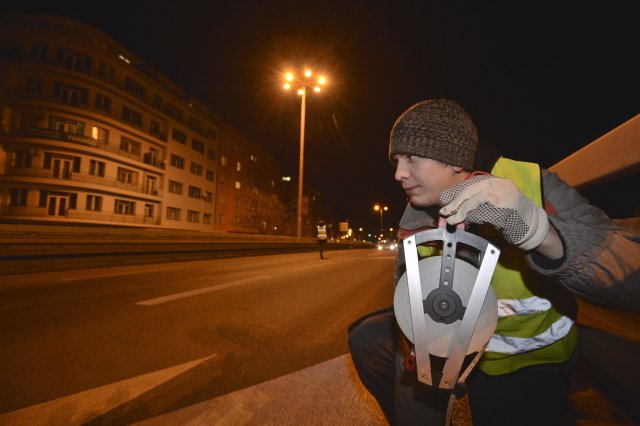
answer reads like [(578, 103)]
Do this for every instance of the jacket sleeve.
[(601, 261)]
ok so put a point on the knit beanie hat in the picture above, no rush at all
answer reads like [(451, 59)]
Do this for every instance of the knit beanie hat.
[(438, 129)]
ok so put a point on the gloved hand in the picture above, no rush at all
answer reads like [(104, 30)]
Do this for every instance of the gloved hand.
[(499, 202)]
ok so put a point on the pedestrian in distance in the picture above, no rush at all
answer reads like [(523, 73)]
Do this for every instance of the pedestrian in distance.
[(322, 237), (553, 243)]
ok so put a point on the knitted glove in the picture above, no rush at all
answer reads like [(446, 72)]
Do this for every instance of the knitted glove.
[(499, 202)]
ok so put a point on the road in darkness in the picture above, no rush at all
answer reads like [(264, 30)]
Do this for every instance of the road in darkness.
[(156, 338)]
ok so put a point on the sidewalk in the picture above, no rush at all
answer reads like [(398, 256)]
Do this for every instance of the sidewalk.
[(331, 394), (325, 394)]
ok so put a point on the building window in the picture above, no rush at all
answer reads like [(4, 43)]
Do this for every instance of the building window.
[(197, 146), (178, 136), (222, 199), (238, 185), (127, 176), (125, 207), (18, 197), (154, 129), (34, 86), (39, 50), (173, 111), (156, 102), (210, 175), (70, 95), (193, 216), (196, 168), (65, 126), (130, 146), (22, 159), (206, 219), (175, 187), (152, 157), (208, 197), (223, 160), (106, 70), (131, 116), (177, 161), (96, 168), (173, 213), (61, 165), (238, 166), (100, 134), (133, 87), (221, 219), (94, 203), (194, 124), (211, 154), (103, 102), (194, 192), (73, 61)]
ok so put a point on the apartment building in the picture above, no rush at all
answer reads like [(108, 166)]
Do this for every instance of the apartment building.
[(89, 133)]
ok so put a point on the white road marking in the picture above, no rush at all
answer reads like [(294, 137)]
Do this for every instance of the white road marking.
[(310, 266), (185, 294), (99, 275), (82, 407)]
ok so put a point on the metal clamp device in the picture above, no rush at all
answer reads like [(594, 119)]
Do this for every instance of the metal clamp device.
[(445, 305)]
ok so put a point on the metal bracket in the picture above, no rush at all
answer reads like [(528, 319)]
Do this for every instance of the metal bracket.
[(460, 343)]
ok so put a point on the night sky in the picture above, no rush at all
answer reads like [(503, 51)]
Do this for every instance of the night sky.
[(541, 79)]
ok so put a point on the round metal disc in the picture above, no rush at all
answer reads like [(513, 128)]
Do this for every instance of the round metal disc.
[(439, 335)]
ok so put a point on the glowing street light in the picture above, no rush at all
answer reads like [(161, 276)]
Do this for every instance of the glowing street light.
[(302, 83), (381, 209)]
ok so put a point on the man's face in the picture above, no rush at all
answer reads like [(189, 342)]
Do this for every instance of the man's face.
[(423, 179)]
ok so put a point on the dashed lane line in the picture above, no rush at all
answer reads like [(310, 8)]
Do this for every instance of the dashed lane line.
[(197, 292)]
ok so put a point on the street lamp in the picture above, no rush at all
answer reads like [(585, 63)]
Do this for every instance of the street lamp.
[(381, 209), (302, 83)]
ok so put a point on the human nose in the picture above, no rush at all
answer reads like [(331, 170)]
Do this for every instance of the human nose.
[(402, 172)]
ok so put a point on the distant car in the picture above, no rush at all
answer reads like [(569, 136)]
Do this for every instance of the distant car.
[(387, 246)]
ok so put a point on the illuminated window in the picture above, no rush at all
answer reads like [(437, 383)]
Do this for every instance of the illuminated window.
[(223, 160), (238, 166), (238, 185), (100, 134)]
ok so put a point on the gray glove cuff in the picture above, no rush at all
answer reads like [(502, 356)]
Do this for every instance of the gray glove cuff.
[(538, 229)]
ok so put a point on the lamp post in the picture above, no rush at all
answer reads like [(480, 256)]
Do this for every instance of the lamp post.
[(302, 83), (381, 209)]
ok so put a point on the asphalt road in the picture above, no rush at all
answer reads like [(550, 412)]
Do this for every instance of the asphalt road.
[(155, 338)]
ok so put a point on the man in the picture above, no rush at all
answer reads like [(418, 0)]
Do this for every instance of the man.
[(322, 237), (551, 240)]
